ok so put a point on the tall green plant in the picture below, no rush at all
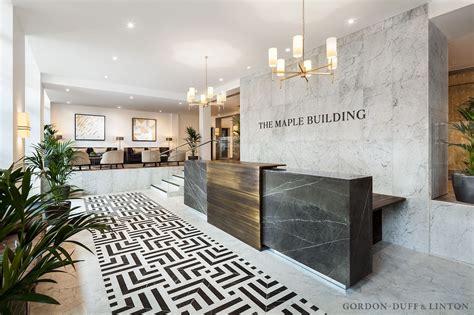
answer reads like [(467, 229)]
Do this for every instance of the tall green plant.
[(39, 250), (52, 160), (193, 138), (466, 128)]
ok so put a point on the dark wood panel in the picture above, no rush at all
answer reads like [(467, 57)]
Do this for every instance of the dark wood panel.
[(379, 201), (234, 199)]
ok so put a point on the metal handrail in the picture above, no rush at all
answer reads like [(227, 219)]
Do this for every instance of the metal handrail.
[(200, 145)]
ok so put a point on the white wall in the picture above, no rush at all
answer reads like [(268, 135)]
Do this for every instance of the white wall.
[(18, 85), (6, 84), (118, 122), (191, 120)]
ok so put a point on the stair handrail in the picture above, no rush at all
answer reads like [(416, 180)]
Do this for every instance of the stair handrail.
[(200, 145)]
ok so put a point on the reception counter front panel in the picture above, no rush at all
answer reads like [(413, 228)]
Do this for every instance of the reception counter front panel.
[(234, 199)]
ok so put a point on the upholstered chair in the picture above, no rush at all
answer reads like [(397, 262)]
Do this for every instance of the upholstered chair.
[(112, 158), (151, 157), (177, 156), (81, 158)]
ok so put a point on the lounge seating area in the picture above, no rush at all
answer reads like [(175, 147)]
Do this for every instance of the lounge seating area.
[(97, 158)]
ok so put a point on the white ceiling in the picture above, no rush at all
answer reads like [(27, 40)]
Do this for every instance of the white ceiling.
[(74, 41)]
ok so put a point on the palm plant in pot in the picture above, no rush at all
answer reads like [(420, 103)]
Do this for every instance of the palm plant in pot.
[(193, 138), (39, 248), (463, 183), (51, 161)]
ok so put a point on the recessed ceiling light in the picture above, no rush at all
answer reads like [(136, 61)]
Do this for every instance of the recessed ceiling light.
[(131, 25), (119, 107), (350, 21), (221, 79), (106, 76), (287, 49), (249, 67), (160, 110), (114, 58), (131, 97), (68, 102), (180, 103), (67, 90)]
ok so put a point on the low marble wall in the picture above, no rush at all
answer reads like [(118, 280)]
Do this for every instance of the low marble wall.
[(97, 182), (195, 185), (452, 231), (321, 220)]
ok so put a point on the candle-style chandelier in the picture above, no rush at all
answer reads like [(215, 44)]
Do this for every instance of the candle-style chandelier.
[(305, 68), (208, 99)]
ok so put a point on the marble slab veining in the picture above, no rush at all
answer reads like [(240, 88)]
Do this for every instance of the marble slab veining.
[(322, 222), (195, 185)]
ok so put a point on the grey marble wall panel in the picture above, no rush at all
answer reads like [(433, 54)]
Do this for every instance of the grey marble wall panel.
[(195, 185), (323, 222)]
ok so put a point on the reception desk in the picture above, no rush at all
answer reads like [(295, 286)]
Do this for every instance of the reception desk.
[(320, 220)]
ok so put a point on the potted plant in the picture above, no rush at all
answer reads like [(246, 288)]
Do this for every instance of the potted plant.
[(39, 248), (52, 162), (463, 183), (193, 138)]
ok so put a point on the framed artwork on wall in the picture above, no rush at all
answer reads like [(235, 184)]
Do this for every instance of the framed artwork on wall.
[(89, 127), (144, 129)]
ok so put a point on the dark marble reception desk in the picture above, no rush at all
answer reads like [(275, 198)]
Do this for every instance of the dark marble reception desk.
[(320, 220)]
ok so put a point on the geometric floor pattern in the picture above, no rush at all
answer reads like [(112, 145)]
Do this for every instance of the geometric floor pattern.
[(153, 262)]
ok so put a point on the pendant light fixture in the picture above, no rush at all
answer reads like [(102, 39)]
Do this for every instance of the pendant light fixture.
[(207, 99), (305, 68)]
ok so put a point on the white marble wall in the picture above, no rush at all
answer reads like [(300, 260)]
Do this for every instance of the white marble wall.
[(438, 101), (452, 231), (117, 180), (382, 69)]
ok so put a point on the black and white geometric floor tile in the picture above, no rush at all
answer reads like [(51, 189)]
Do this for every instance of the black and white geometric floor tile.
[(153, 262)]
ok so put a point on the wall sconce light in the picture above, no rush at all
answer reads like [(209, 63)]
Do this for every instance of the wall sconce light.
[(119, 139), (169, 139), (59, 137), (23, 125)]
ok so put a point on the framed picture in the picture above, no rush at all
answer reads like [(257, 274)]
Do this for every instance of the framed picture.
[(89, 127), (144, 129)]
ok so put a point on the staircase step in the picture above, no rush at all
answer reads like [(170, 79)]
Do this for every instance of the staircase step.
[(171, 182), (159, 188), (179, 176)]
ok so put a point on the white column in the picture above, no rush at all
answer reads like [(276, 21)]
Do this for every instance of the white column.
[(33, 99), (6, 84), (205, 131)]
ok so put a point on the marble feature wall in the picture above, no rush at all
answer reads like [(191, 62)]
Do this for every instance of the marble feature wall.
[(438, 109), (195, 185), (382, 69), (321, 220), (119, 180)]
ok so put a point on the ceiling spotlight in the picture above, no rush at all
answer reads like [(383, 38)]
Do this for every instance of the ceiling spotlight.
[(160, 110), (68, 102), (180, 103), (119, 107), (287, 49), (131, 97), (67, 90), (106, 76), (249, 67), (114, 58), (350, 21), (131, 25), (221, 79)]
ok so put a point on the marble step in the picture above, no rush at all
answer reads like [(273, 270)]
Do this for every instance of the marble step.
[(178, 179), (173, 182)]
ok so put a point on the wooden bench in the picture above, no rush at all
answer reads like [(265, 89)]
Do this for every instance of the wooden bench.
[(379, 202)]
